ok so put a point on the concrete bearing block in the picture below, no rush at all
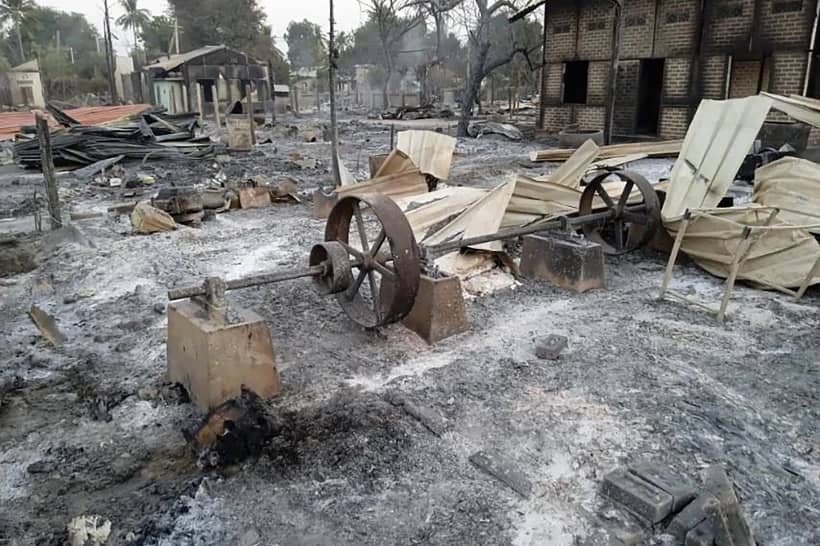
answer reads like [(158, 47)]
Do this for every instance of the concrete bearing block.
[(681, 489), (640, 497), (439, 310), (213, 360), (565, 262)]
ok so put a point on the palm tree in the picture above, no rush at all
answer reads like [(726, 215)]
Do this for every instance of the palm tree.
[(17, 11), (134, 18)]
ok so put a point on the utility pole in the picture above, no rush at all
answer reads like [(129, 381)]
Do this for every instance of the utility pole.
[(109, 56), (331, 75), (176, 35)]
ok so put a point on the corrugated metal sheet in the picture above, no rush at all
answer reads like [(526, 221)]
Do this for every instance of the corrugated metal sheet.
[(174, 61), (12, 122)]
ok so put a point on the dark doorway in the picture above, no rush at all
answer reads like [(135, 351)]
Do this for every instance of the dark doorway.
[(576, 75), (207, 90), (650, 89)]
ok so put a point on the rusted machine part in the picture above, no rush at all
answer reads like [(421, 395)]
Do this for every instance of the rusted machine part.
[(337, 276), (400, 266), (611, 233)]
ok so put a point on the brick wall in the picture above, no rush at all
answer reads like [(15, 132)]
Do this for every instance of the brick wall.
[(713, 76), (595, 23), (782, 27), (674, 122), (590, 117), (626, 97), (637, 29), (787, 72), (676, 78), (670, 29), (677, 27), (561, 31), (745, 76), (554, 75), (556, 118), (728, 25), (598, 83)]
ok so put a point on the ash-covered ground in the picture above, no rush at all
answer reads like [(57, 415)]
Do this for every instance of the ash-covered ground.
[(93, 428)]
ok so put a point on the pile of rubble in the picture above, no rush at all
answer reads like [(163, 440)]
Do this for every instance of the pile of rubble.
[(691, 516), (151, 134)]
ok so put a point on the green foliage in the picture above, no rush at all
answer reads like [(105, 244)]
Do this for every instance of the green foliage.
[(39, 31), (18, 13), (239, 24), (63, 80), (156, 35), (134, 18), (305, 46)]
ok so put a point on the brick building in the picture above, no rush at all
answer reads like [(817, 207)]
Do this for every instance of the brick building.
[(672, 53)]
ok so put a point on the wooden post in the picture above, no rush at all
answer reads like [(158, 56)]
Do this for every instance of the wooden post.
[(249, 102), (215, 93), (47, 166), (200, 103), (613, 73), (272, 91), (331, 76), (673, 256)]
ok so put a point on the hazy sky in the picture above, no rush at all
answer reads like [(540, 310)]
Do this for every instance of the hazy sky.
[(349, 14)]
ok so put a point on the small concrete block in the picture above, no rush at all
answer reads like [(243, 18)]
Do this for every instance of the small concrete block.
[(428, 417), (729, 525), (565, 262), (625, 537), (550, 347), (681, 489), (494, 465), (702, 535), (638, 496), (717, 482), (323, 203), (214, 360), (727, 519), (439, 310), (692, 515)]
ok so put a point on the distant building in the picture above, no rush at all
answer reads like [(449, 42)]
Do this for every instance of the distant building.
[(22, 86), (218, 73), (671, 54)]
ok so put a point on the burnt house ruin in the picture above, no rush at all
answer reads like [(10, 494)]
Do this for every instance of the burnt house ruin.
[(669, 54)]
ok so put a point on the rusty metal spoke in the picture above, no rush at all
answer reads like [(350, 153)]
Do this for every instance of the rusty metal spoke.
[(604, 196), (360, 225), (377, 244), (352, 250), (625, 196), (374, 293), (354, 288), (385, 271)]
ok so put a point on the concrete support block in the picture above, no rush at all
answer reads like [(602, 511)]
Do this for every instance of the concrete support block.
[(643, 499), (702, 535), (690, 517), (681, 489), (439, 311), (213, 359), (565, 262), (726, 516)]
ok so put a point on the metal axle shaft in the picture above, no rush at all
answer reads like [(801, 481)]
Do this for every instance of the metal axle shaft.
[(255, 280), (562, 222)]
